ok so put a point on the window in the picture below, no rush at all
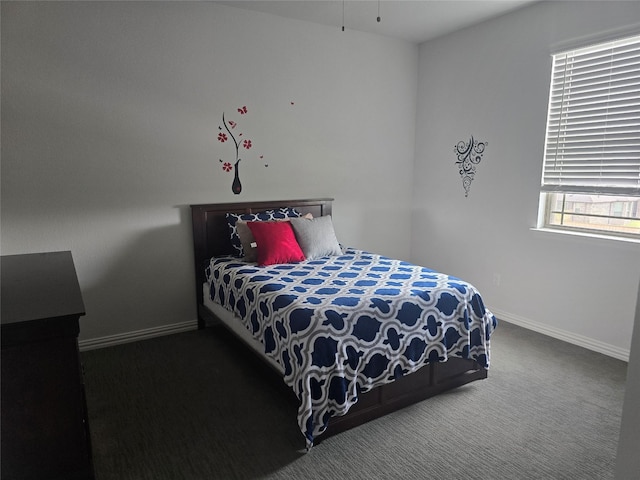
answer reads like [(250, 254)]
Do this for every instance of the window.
[(591, 173)]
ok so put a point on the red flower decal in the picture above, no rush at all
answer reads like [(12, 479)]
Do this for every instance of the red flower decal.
[(247, 144), (226, 166), (222, 137), (232, 124), (242, 110)]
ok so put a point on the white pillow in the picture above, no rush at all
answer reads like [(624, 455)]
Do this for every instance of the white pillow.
[(316, 236)]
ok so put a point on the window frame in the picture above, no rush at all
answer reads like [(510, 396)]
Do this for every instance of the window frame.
[(547, 211), (559, 133)]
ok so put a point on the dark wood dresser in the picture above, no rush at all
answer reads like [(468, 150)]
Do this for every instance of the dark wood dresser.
[(44, 429)]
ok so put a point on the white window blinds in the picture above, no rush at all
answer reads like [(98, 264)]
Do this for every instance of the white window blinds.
[(593, 123)]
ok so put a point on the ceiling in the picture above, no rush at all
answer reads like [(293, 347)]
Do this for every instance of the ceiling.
[(412, 20)]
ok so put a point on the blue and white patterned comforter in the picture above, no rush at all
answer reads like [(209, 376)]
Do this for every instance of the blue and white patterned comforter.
[(342, 325)]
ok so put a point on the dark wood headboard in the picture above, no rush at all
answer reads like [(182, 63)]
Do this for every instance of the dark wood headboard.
[(211, 232)]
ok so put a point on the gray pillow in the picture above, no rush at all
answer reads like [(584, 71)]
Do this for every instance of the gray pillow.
[(249, 247), (316, 237)]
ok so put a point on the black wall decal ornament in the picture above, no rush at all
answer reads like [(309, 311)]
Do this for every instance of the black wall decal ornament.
[(469, 155)]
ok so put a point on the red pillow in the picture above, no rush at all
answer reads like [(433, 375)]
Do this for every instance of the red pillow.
[(276, 243)]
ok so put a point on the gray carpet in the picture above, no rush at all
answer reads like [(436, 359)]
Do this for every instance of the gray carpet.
[(197, 406)]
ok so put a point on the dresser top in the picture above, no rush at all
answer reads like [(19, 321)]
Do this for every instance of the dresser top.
[(37, 286)]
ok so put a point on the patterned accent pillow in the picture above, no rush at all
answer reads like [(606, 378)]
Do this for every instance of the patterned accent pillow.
[(267, 215), (276, 243), (316, 237)]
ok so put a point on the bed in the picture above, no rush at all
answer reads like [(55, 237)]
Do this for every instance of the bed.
[(329, 325)]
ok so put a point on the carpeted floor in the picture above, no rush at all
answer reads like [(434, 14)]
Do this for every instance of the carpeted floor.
[(197, 406)]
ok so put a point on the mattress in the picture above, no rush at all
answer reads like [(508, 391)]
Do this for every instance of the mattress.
[(234, 324), (341, 325)]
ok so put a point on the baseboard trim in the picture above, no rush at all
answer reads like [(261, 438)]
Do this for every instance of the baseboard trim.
[(144, 334), (564, 335)]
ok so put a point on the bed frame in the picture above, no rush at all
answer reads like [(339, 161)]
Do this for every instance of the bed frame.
[(211, 238)]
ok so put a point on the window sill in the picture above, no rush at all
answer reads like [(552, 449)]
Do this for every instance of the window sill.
[(589, 237)]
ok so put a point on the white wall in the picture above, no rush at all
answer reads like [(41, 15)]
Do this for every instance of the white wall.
[(492, 81), (628, 460), (109, 121), (110, 113)]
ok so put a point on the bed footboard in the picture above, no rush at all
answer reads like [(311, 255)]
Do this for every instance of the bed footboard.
[(427, 382)]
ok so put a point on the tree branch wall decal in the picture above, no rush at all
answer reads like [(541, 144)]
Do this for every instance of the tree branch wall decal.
[(229, 125)]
